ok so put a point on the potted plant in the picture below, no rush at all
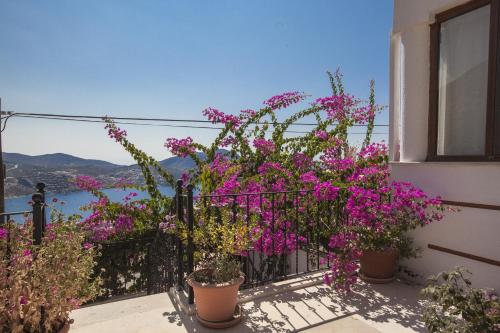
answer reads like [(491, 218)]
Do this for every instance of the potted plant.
[(381, 219), (219, 240), (216, 284), (455, 306), (54, 276), (378, 214)]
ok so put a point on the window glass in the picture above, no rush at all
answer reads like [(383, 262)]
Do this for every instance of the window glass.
[(463, 83)]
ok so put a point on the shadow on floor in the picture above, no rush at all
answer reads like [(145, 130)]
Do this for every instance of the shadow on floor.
[(311, 307)]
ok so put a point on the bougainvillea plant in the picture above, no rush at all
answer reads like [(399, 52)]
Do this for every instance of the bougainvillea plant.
[(55, 275), (340, 190), (109, 219)]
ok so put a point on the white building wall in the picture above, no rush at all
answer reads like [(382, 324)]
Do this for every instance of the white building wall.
[(471, 230)]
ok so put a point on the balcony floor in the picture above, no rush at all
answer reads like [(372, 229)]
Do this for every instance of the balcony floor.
[(368, 308)]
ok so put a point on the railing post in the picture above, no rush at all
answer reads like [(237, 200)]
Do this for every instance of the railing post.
[(37, 218), (180, 251), (38, 229), (40, 188), (190, 245)]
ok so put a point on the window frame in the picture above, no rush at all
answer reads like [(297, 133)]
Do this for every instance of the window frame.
[(493, 94)]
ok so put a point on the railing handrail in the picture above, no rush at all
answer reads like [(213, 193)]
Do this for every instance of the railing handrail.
[(17, 213), (249, 193)]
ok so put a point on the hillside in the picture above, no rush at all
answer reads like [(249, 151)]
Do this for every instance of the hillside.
[(59, 170)]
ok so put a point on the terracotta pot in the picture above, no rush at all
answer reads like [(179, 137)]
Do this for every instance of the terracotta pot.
[(65, 328), (216, 302), (379, 264)]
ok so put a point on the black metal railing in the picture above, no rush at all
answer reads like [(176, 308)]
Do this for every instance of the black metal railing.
[(136, 266), (297, 217)]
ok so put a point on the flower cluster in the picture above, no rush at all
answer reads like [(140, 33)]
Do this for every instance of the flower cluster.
[(180, 147), (247, 114), (116, 133), (325, 191), (284, 100), (219, 117), (265, 147), (4, 233), (88, 183), (344, 106)]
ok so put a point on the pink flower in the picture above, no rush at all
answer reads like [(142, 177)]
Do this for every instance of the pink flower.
[(325, 191), (186, 178), (216, 116), (4, 233), (337, 106), (322, 135), (87, 246), (23, 300), (228, 141), (265, 147), (115, 132), (220, 164), (180, 147), (301, 161), (88, 183), (247, 114), (74, 302), (308, 177), (326, 279), (284, 100)]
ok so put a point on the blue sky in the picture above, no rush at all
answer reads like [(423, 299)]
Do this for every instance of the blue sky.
[(173, 59)]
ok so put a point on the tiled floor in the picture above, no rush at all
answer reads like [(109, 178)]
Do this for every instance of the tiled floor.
[(369, 309)]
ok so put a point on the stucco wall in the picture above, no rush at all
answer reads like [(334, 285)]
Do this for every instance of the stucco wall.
[(476, 231)]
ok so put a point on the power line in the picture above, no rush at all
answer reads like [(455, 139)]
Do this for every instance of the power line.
[(94, 120), (147, 119)]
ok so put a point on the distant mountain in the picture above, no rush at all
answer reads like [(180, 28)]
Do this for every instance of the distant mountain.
[(59, 170), (58, 160)]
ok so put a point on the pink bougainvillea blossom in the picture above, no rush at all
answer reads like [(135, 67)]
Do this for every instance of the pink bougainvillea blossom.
[(218, 117), (228, 141), (247, 114), (322, 135), (265, 147), (308, 177), (115, 133), (180, 147), (325, 191), (284, 100), (88, 183), (4, 233)]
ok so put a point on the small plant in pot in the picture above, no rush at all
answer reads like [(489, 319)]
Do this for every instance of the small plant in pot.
[(215, 286), (381, 219), (219, 239)]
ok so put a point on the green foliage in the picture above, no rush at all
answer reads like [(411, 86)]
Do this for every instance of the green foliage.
[(218, 238), (56, 274), (218, 269), (456, 307)]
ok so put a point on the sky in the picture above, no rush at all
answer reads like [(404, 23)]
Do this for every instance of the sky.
[(172, 59)]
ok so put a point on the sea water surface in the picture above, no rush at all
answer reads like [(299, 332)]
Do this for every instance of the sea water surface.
[(74, 200)]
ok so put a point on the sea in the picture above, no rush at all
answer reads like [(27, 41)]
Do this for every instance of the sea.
[(71, 202)]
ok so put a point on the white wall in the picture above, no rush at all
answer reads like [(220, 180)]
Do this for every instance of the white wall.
[(476, 231)]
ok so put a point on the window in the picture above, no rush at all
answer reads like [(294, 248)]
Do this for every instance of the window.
[(464, 105)]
